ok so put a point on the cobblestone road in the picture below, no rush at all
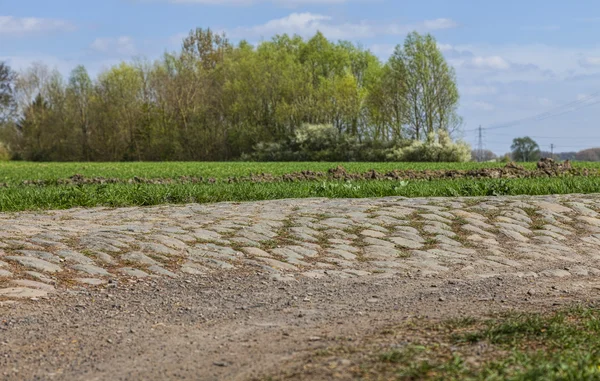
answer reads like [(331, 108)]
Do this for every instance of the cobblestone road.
[(547, 236)]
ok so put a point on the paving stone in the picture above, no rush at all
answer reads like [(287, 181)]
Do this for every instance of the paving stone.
[(551, 234), (373, 234), (559, 230), (256, 252), (22, 293), (133, 272), (445, 240), (335, 233), (194, 269), (74, 257), (91, 244), (207, 235), (474, 229), (511, 234), (138, 258), (511, 221), (381, 252), (515, 228), (303, 251), (342, 253), (33, 284), (438, 231), (435, 217), (520, 217), (161, 271), (91, 270), (553, 207), (40, 277), (211, 262), (91, 281), (504, 261), (480, 224), (467, 214), (40, 254), (340, 262), (171, 242), (378, 242), (36, 263), (345, 247), (556, 273), (590, 220), (104, 258), (158, 248), (409, 236), (406, 243)]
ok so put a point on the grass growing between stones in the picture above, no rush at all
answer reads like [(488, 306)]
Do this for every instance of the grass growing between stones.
[(17, 198), (558, 346)]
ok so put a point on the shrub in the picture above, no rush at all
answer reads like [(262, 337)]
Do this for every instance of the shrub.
[(436, 148), (5, 154), (323, 142)]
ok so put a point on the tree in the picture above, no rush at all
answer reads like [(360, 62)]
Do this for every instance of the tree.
[(525, 149), (79, 93), (431, 90), (7, 100), (215, 101), (591, 154), (483, 155)]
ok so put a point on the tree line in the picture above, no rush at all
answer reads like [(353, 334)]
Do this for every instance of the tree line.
[(214, 100)]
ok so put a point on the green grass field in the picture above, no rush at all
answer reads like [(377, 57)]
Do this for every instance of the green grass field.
[(15, 172), (16, 197), (517, 346)]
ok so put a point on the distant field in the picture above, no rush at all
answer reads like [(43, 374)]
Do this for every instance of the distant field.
[(16, 197), (16, 172)]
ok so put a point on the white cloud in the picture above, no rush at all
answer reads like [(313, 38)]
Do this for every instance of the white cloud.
[(492, 62), (17, 26), (478, 90), (485, 106), (589, 62), (124, 46), (440, 24), (306, 24)]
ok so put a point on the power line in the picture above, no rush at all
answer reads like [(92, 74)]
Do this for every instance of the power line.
[(577, 105), (550, 137)]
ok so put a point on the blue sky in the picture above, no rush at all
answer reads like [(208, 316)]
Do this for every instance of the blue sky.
[(514, 59)]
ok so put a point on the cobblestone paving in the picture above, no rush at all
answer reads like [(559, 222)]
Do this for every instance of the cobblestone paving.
[(550, 236)]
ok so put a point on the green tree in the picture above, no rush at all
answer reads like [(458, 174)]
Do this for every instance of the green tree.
[(79, 94), (7, 100), (525, 149), (431, 91), (117, 109)]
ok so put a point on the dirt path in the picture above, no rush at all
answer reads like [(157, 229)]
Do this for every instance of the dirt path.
[(261, 290)]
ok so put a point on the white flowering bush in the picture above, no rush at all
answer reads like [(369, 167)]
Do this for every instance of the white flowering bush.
[(435, 148)]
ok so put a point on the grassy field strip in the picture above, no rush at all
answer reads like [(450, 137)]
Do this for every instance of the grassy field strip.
[(16, 172), (516, 346), (18, 198)]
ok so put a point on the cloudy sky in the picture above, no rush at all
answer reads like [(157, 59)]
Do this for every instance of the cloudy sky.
[(530, 61)]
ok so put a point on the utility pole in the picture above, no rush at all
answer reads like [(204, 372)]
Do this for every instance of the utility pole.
[(552, 150), (480, 145)]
